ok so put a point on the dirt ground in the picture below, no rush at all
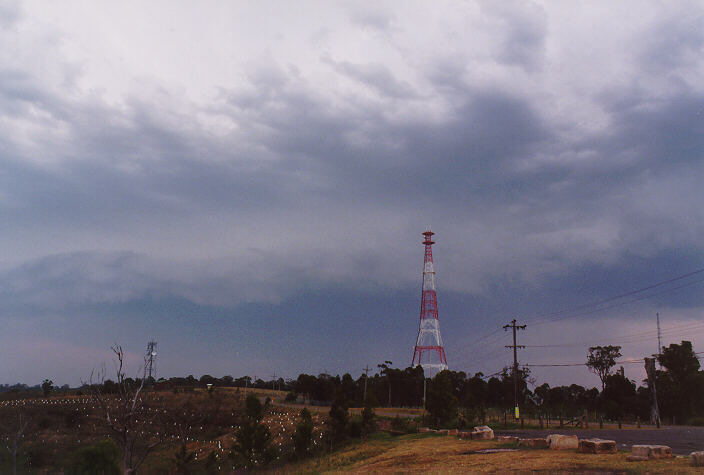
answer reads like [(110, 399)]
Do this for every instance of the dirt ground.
[(682, 439)]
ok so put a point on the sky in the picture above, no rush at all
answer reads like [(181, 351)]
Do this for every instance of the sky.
[(247, 183)]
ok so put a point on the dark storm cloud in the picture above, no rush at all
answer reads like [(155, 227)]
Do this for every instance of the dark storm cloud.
[(299, 179)]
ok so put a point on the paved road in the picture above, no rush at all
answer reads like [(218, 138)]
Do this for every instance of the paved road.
[(682, 439)]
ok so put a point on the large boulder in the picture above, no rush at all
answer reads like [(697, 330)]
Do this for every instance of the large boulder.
[(696, 459), (507, 438), (597, 446), (562, 442), (651, 451), (534, 443), (482, 433)]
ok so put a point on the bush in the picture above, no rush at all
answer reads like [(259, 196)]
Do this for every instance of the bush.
[(102, 457), (354, 427), (696, 421), (291, 397)]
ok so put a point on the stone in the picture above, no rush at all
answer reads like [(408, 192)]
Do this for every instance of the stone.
[(562, 442), (597, 446), (425, 430), (507, 438), (464, 435), (636, 458), (652, 451), (696, 459), (534, 443), (482, 433), (443, 432)]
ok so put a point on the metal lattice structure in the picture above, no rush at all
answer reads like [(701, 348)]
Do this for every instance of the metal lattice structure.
[(151, 359), (429, 351)]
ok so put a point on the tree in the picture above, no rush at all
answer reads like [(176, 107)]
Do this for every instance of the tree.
[(681, 385), (253, 439), (47, 386), (601, 359), (442, 403), (338, 417), (128, 419), (15, 432), (303, 437), (619, 397), (385, 371), (368, 419)]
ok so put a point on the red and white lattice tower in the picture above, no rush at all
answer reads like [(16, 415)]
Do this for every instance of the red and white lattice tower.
[(429, 351)]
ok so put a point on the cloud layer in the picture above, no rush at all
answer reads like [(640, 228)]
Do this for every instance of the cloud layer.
[(236, 158)]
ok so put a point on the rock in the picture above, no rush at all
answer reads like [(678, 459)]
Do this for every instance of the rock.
[(696, 459), (651, 451), (443, 432), (597, 446), (636, 458), (482, 433), (535, 443), (425, 430), (507, 438), (562, 442), (464, 435)]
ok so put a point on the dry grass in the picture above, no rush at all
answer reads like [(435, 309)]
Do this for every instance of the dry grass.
[(416, 453)]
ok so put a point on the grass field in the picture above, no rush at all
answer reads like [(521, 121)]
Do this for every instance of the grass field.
[(440, 454)]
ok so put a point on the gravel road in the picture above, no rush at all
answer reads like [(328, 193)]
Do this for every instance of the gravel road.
[(682, 439)]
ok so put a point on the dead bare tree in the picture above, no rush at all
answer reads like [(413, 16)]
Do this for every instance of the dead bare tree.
[(128, 419), (15, 437)]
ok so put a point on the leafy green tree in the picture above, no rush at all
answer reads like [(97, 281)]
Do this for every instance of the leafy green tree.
[(442, 403), (103, 457), (619, 397), (303, 437), (601, 359), (338, 417), (368, 419), (253, 439), (681, 385), (47, 387)]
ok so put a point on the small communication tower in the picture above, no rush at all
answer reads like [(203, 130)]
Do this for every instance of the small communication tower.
[(429, 351), (151, 359)]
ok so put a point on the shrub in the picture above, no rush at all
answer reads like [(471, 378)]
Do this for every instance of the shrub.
[(101, 457), (291, 397), (354, 427), (697, 421)]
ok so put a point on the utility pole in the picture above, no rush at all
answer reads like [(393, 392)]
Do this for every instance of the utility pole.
[(657, 316), (273, 382), (515, 347), (654, 411), (366, 377)]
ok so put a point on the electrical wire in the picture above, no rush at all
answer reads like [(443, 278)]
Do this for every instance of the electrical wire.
[(547, 320), (616, 297)]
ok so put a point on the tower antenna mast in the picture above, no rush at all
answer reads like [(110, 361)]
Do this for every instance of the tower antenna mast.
[(429, 351)]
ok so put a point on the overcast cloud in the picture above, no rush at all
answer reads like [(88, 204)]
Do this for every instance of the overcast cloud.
[(247, 182)]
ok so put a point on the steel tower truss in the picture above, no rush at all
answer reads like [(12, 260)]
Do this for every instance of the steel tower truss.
[(429, 351)]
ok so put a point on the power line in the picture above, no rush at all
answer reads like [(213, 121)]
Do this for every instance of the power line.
[(546, 320), (616, 297), (631, 338), (577, 364)]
